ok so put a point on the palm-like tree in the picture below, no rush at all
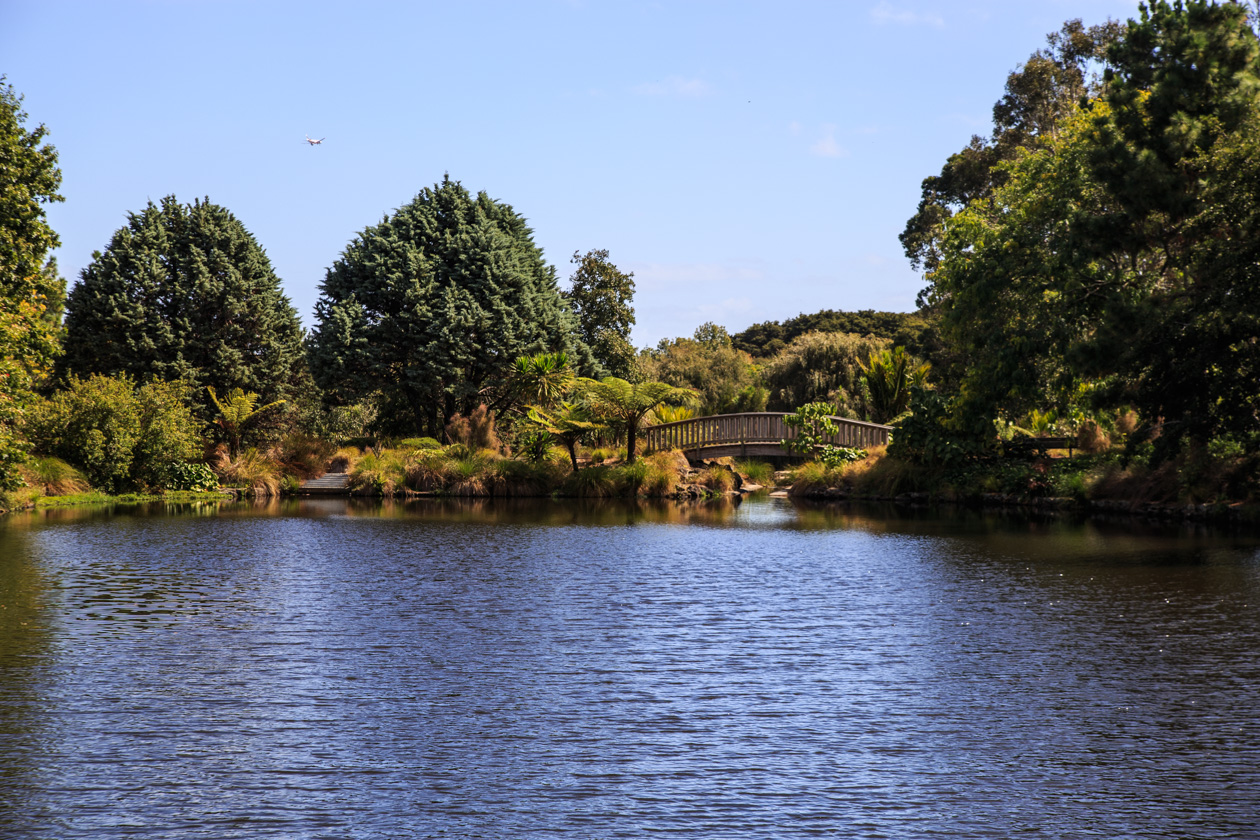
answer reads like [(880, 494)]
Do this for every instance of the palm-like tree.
[(543, 379), (889, 376), (235, 413), (569, 423), (617, 399)]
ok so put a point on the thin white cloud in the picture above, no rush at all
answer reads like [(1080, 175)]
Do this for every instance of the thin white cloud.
[(884, 12), (675, 86), (795, 128), (827, 147)]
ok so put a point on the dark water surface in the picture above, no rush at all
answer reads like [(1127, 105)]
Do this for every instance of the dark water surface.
[(328, 670)]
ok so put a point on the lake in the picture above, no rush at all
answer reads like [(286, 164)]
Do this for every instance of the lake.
[(340, 669)]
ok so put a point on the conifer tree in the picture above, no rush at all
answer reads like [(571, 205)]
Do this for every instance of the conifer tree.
[(432, 307), (186, 292)]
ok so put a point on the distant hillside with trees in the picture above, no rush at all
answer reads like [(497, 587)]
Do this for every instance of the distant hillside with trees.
[(911, 330)]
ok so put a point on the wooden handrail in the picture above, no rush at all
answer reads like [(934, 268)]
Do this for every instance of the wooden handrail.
[(761, 427)]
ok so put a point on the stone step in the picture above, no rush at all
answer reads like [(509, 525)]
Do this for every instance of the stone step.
[(326, 483)]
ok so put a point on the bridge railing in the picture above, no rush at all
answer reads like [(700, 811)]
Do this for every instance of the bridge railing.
[(764, 427)]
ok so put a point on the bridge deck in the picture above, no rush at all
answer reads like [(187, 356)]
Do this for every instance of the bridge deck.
[(753, 433)]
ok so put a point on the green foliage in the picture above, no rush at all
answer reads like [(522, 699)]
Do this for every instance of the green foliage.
[(617, 399), (758, 472), (419, 443), (600, 295), (181, 475), (54, 477), (821, 367), (1038, 96), (432, 306), (544, 378), (31, 291), (835, 456), (1118, 259), (568, 424), (914, 331), (725, 379), (938, 433), (186, 292), (890, 375), (120, 436), (814, 424), (237, 411)]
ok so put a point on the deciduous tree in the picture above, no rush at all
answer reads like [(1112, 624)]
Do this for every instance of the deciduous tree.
[(31, 292), (600, 294)]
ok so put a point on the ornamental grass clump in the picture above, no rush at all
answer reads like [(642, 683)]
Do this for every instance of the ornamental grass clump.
[(380, 474), (54, 477), (756, 472), (813, 477), (717, 478), (250, 470), (343, 459), (302, 456), (592, 482)]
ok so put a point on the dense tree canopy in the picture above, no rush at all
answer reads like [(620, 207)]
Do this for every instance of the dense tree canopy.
[(600, 294), (726, 379), (1038, 96), (185, 292), (1116, 265), (432, 307), (31, 292), (912, 330)]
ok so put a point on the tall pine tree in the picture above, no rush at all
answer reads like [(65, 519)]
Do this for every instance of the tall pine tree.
[(184, 291), (431, 307)]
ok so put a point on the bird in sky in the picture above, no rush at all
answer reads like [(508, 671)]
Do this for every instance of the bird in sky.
[(314, 142)]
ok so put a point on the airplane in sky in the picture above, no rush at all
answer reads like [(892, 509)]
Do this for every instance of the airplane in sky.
[(314, 142)]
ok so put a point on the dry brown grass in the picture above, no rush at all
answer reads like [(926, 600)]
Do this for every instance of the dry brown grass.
[(250, 470), (54, 477)]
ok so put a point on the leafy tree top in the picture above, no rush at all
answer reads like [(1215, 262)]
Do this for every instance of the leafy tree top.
[(600, 294), (31, 291)]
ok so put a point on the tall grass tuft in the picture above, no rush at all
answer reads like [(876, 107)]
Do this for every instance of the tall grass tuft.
[(54, 477), (251, 470), (757, 472), (343, 459), (302, 456), (592, 482), (717, 478), (378, 475)]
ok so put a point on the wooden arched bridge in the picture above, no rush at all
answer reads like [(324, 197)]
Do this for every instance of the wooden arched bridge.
[(757, 433)]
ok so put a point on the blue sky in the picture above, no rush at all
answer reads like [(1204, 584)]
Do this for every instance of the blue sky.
[(746, 160)]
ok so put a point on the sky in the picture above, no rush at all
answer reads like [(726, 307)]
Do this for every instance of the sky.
[(747, 161)]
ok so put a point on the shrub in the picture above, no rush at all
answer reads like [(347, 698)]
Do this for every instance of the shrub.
[(419, 443), (343, 459), (119, 435), (592, 482), (181, 475), (378, 474), (835, 456), (303, 456)]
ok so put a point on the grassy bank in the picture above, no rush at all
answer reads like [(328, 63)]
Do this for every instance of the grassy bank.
[(1110, 480)]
